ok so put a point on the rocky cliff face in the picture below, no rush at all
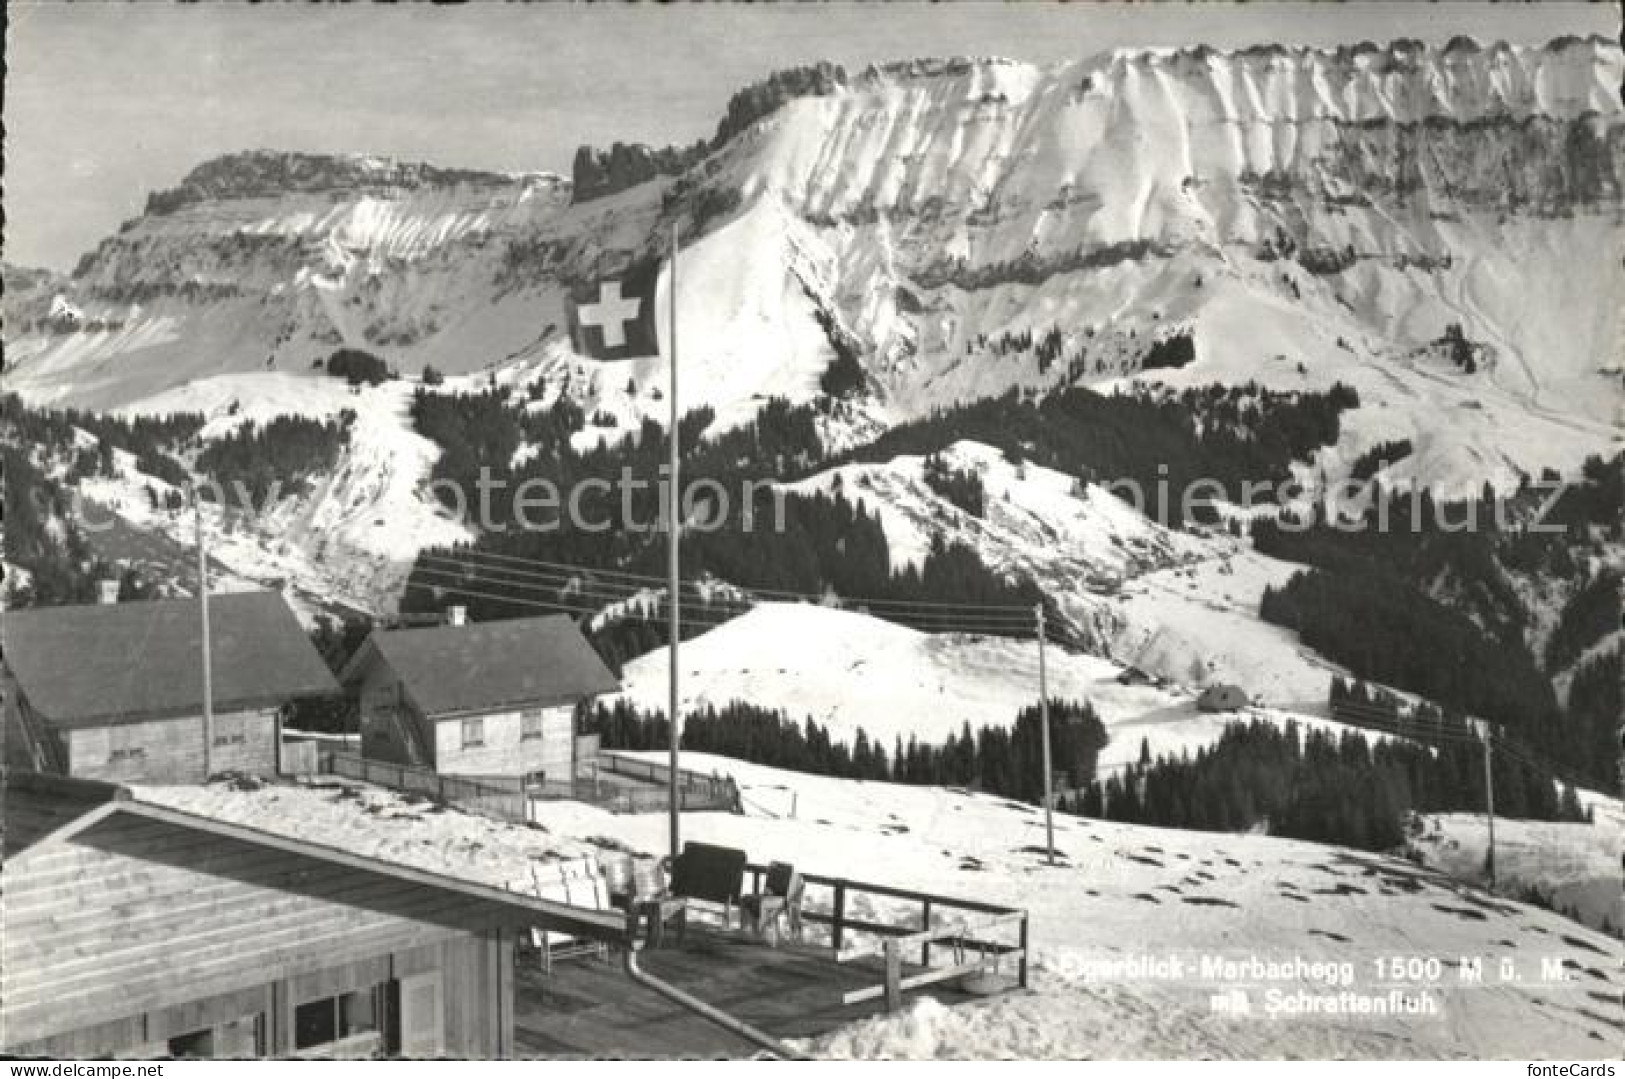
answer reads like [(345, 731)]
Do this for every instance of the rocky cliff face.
[(1300, 215)]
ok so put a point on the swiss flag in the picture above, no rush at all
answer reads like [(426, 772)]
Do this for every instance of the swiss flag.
[(613, 318)]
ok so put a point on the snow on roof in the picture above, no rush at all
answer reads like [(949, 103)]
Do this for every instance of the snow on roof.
[(376, 823)]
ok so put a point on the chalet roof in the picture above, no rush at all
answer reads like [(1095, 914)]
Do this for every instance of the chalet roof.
[(52, 809), (95, 665), (36, 806), (486, 665)]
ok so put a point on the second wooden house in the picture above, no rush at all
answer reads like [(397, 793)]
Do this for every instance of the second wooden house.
[(480, 699)]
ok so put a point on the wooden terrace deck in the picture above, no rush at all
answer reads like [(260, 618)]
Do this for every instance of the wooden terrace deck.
[(590, 1007)]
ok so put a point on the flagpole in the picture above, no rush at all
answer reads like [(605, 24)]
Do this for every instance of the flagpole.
[(673, 523)]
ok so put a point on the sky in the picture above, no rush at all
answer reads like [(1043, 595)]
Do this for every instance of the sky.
[(105, 102)]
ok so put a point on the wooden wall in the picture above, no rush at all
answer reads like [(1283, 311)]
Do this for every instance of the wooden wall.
[(505, 750), (391, 730), (109, 931), (477, 969), (171, 750), (30, 743)]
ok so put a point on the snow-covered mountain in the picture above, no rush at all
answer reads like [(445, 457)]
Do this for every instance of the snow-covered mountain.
[(1303, 215)]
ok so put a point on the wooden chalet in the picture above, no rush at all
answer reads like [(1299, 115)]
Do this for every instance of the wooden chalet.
[(133, 930), (482, 699), (115, 691)]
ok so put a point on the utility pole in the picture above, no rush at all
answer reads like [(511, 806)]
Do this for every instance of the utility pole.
[(1043, 715), (203, 612), (673, 528), (1483, 726)]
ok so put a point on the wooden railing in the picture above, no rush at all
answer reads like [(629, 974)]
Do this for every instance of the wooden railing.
[(495, 796), (940, 922)]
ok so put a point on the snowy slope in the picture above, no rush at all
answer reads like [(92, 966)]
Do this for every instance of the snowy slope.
[(1575, 866), (1131, 893), (848, 670), (1199, 624), (1120, 894), (1181, 605), (352, 538), (1036, 520), (1077, 541)]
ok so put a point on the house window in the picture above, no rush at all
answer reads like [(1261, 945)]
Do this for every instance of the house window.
[(124, 744), (319, 1023), (473, 733), (530, 724), (199, 1044)]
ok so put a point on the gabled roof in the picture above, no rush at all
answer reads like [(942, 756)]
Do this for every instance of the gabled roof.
[(37, 807), (94, 665), (487, 665), (56, 809)]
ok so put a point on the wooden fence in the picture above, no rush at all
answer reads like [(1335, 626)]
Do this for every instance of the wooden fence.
[(299, 758), (502, 797), (509, 797), (937, 925), (649, 793)]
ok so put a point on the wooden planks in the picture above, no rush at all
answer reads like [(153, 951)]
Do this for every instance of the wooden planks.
[(170, 750), (136, 915), (590, 1008)]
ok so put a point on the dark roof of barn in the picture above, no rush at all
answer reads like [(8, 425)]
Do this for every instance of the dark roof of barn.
[(89, 666), (485, 665)]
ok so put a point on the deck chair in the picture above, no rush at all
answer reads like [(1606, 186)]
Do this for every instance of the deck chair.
[(710, 874), (580, 886), (780, 901)]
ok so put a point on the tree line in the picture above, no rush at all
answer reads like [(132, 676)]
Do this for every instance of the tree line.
[(1411, 597), (151, 440), (1317, 786), (811, 544), (282, 454), (997, 759), (1221, 440)]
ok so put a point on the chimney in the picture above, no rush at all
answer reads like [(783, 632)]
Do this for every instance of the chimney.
[(456, 615), (107, 592)]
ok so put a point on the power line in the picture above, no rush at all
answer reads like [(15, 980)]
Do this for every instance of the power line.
[(563, 583), (711, 615), (562, 586), (712, 619), (594, 603), (1023, 610), (1394, 723), (1530, 758), (547, 605), (1371, 717), (1413, 736)]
